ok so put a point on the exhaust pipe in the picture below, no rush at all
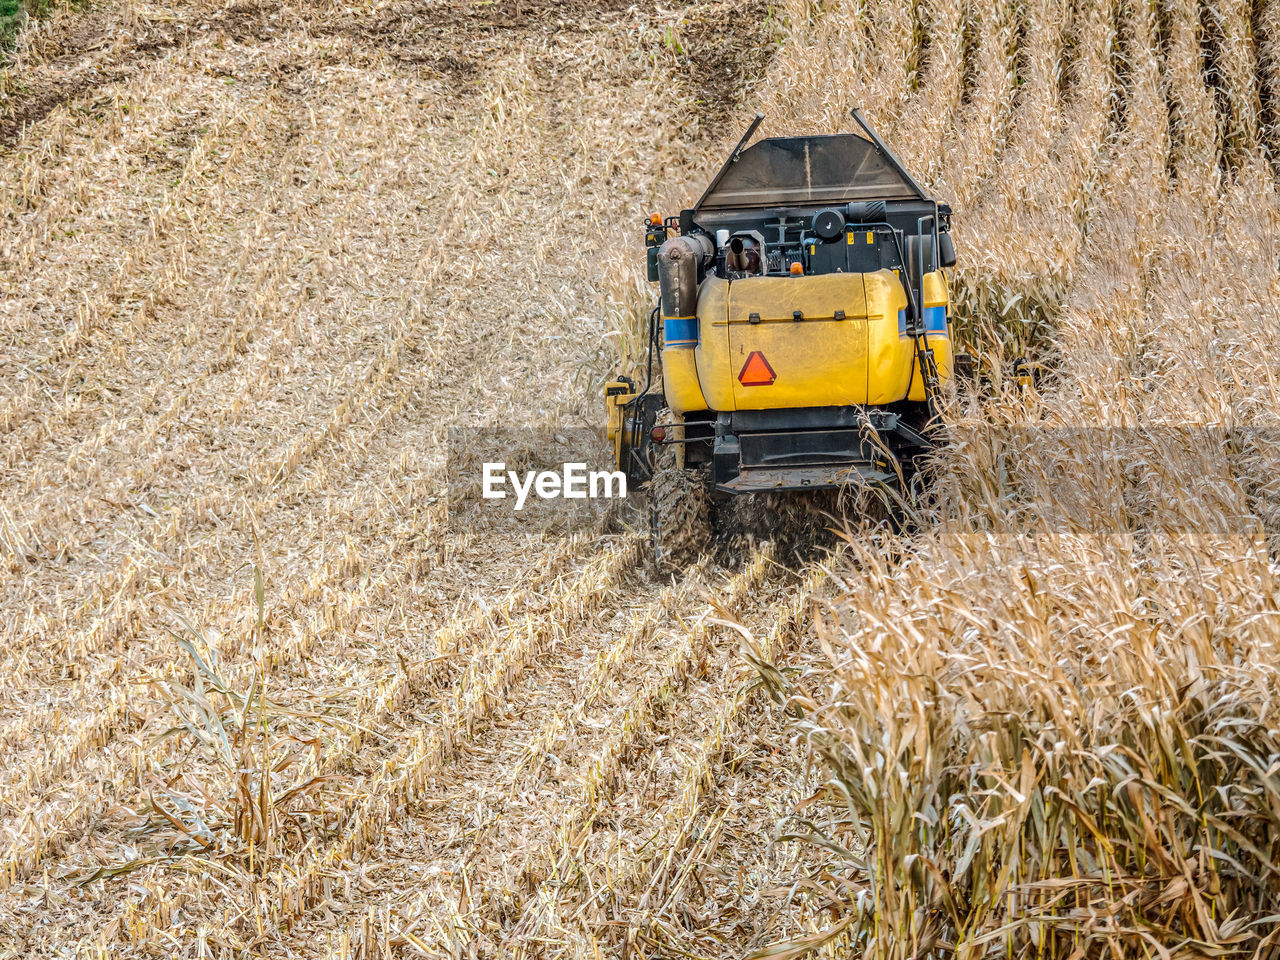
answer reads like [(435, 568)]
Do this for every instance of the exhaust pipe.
[(678, 262)]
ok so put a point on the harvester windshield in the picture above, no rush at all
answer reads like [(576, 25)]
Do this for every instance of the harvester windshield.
[(801, 171)]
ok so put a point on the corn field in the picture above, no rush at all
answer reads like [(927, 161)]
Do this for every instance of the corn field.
[(269, 690)]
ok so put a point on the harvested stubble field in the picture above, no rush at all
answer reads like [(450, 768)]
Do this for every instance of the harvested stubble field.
[(263, 695)]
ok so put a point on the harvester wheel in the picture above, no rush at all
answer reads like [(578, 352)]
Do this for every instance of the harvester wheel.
[(679, 513)]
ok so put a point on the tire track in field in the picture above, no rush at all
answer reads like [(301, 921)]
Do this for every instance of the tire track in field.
[(107, 723), (106, 321), (627, 883), (538, 777), (253, 314), (514, 635), (103, 727), (264, 471)]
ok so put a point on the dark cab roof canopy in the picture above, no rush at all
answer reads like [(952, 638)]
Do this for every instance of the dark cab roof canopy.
[(803, 171)]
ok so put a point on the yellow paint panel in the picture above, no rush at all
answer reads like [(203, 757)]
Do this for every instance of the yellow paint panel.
[(680, 379), (712, 354), (889, 355), (818, 360)]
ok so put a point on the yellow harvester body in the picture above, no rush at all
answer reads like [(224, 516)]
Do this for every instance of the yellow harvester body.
[(829, 340)]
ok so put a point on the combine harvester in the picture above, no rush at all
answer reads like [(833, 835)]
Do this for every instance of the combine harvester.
[(804, 333)]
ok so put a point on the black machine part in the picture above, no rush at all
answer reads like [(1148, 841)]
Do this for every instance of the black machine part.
[(946, 250), (745, 253), (865, 211), (828, 224), (680, 260), (812, 447), (784, 171), (808, 171), (638, 454)]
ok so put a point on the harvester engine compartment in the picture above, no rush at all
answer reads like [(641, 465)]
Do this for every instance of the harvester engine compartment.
[(854, 238)]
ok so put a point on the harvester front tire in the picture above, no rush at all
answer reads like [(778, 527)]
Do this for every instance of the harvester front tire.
[(679, 514)]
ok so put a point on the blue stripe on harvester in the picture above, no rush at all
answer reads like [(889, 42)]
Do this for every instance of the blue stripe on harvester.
[(679, 331), (935, 321)]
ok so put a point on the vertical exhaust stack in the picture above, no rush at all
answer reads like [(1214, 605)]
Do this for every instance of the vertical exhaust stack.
[(678, 261)]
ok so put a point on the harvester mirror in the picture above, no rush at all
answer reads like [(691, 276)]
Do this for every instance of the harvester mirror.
[(946, 250)]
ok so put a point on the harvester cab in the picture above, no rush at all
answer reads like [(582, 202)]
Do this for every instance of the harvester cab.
[(802, 335)]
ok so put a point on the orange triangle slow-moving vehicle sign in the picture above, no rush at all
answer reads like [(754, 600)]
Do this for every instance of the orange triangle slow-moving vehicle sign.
[(756, 372)]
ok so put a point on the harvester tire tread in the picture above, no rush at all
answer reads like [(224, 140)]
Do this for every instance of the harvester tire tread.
[(679, 514)]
